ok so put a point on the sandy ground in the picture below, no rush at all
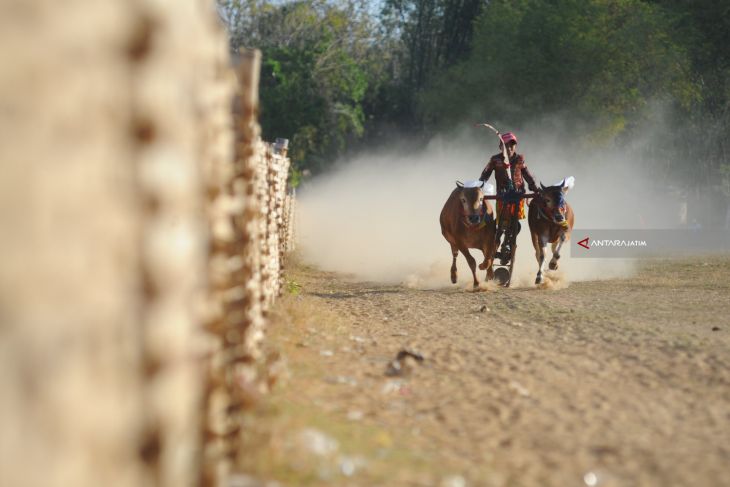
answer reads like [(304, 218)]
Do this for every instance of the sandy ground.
[(608, 383)]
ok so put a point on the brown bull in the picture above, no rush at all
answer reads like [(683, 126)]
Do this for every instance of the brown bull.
[(551, 221), (467, 222)]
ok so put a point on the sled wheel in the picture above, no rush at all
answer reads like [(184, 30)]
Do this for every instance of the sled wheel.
[(502, 275), (513, 247)]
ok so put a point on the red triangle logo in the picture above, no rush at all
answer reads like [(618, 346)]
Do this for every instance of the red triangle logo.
[(584, 243)]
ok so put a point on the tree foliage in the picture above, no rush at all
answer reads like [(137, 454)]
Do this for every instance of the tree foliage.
[(339, 75), (315, 71), (702, 27), (598, 62), (432, 35)]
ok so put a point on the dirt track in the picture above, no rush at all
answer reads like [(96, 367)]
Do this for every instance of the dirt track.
[(611, 383)]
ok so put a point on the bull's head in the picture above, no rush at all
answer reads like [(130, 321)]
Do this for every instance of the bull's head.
[(471, 197), (553, 198)]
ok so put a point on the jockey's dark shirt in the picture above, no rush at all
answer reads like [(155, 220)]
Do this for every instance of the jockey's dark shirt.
[(518, 169)]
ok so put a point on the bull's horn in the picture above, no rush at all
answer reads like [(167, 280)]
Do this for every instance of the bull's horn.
[(568, 183), (542, 186), (459, 184)]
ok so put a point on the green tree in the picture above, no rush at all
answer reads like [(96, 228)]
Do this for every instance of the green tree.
[(336, 79), (599, 62), (431, 35), (702, 27), (314, 71)]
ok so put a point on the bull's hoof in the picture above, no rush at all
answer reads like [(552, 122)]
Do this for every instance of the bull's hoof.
[(553, 265), (453, 277), (538, 280)]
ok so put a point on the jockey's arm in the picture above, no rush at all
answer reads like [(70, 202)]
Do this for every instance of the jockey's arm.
[(528, 178), (487, 172)]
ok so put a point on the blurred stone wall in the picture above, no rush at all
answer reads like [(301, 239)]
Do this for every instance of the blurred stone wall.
[(139, 245)]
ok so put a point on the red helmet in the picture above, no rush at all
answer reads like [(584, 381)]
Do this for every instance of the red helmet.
[(508, 137)]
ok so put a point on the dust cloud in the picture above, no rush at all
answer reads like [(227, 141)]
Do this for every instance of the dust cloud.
[(376, 217)]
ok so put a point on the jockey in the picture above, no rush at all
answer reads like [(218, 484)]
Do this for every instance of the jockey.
[(514, 181)]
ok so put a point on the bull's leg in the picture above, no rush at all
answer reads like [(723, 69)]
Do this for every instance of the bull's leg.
[(540, 245), (486, 262), (556, 253), (488, 252), (472, 264), (454, 253)]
